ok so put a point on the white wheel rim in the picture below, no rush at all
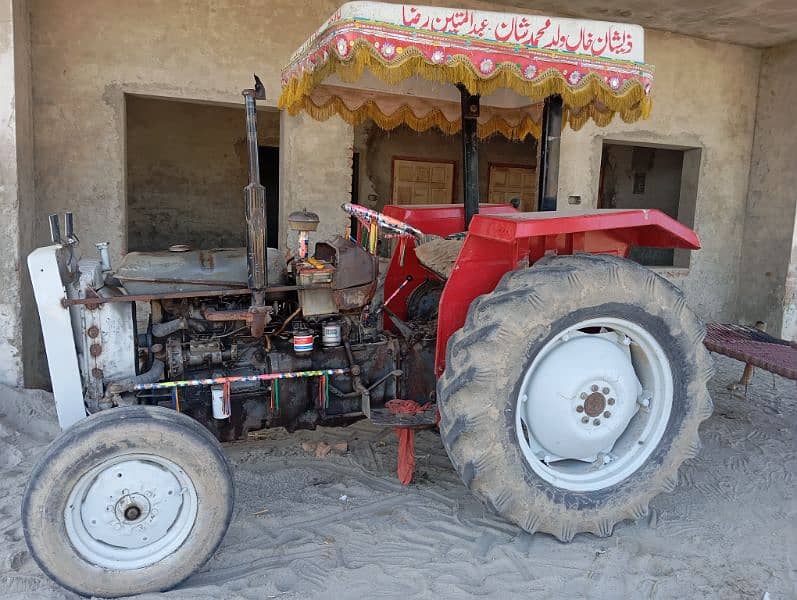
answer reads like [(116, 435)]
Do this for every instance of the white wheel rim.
[(130, 511), (594, 404)]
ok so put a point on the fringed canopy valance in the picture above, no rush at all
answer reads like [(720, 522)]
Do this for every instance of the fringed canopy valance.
[(399, 64)]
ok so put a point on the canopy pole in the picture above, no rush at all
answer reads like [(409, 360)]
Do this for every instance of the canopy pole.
[(550, 138), (470, 153)]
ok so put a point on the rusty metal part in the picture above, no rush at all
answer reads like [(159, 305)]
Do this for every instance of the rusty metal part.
[(247, 314), (354, 298), (159, 352), (174, 354), (95, 350), (93, 331), (175, 280), (96, 300), (96, 373), (260, 315), (287, 321), (357, 383), (395, 373), (255, 208), (595, 404)]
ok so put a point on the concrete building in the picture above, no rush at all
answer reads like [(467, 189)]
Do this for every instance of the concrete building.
[(129, 114)]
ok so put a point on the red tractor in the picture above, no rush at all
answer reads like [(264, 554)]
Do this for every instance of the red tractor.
[(568, 381)]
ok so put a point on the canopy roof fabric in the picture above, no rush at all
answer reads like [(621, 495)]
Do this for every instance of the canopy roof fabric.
[(399, 64)]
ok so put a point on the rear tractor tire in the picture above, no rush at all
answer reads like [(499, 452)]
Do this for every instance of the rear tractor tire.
[(574, 392), (127, 501)]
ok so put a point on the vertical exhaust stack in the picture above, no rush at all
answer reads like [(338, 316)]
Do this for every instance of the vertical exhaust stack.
[(255, 203)]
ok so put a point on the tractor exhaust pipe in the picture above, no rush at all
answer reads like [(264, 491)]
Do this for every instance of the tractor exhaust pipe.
[(255, 204)]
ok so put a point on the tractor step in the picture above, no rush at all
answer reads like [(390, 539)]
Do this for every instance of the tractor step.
[(385, 418)]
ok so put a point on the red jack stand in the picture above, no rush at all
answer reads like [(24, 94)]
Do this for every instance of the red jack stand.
[(406, 437)]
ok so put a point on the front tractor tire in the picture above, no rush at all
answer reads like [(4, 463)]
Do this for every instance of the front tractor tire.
[(573, 393), (127, 501)]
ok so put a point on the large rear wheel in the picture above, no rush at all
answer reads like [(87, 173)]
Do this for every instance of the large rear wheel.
[(574, 392), (130, 500)]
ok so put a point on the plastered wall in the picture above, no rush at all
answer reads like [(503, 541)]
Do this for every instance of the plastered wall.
[(768, 270), (704, 97), (17, 314)]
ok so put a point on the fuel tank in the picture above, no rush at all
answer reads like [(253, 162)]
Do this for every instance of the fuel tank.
[(188, 270)]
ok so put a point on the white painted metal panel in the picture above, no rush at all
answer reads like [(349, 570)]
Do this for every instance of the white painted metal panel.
[(59, 342)]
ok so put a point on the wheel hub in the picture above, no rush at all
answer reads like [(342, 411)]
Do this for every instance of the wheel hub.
[(569, 393), (132, 508), (128, 513), (592, 406)]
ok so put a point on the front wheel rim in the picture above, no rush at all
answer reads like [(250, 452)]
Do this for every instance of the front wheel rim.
[(594, 404), (131, 511)]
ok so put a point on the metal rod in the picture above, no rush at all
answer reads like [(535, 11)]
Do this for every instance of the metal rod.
[(165, 280), (550, 138), (470, 153), (237, 378), (55, 229)]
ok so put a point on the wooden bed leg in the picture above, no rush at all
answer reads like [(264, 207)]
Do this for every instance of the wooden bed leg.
[(747, 374)]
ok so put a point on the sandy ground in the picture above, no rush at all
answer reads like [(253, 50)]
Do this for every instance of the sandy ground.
[(342, 527)]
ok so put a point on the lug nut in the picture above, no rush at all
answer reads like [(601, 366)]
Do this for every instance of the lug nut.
[(605, 390), (583, 395), (610, 401), (594, 388), (585, 419), (607, 414), (596, 422), (579, 408)]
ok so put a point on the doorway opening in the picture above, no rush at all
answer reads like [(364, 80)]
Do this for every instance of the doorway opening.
[(187, 166), (651, 176)]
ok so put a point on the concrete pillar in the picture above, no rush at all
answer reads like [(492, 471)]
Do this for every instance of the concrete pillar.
[(768, 268), (788, 330), (16, 189), (315, 173)]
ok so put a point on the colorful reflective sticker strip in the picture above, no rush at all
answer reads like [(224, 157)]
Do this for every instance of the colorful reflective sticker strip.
[(233, 379)]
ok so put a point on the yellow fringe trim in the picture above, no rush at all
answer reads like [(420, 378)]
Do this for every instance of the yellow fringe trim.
[(631, 102), (404, 115)]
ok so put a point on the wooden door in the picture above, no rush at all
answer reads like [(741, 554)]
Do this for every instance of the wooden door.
[(508, 182), (422, 181)]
